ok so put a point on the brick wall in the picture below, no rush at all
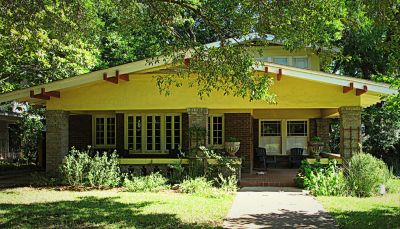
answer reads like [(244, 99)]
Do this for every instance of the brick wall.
[(80, 131), (119, 135), (255, 132), (240, 125), (57, 128), (185, 132), (350, 134)]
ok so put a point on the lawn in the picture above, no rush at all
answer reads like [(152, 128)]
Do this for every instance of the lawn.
[(372, 212), (33, 208)]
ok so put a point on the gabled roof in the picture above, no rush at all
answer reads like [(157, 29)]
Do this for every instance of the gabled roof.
[(148, 66)]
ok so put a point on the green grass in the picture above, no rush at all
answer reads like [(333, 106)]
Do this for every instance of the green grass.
[(43, 208), (371, 212)]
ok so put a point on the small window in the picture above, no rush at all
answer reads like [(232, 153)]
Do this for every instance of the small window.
[(215, 130), (297, 128), (281, 60), (135, 133), (300, 62), (172, 131), (104, 131), (270, 128)]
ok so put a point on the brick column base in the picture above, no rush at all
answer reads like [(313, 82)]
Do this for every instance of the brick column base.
[(350, 131), (57, 123), (321, 127), (198, 117)]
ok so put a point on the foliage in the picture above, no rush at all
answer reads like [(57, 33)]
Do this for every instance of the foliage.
[(154, 182), (393, 185), (365, 174), (52, 208), (370, 212), (178, 173), (322, 180), (229, 184), (316, 139), (100, 171)]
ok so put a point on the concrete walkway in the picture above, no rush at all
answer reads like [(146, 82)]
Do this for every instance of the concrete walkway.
[(275, 207)]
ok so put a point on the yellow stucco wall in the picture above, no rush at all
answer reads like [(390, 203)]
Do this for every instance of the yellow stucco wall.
[(141, 93)]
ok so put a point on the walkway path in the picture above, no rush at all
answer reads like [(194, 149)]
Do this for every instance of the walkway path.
[(272, 207)]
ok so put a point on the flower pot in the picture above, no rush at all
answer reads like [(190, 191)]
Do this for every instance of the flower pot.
[(315, 148), (232, 147)]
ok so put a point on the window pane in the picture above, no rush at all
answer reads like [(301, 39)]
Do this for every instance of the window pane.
[(217, 130), (149, 133), (168, 132), (177, 131), (300, 62), (138, 126), (297, 128), (280, 60), (270, 128), (157, 132), (99, 131), (130, 132), (110, 131), (209, 130)]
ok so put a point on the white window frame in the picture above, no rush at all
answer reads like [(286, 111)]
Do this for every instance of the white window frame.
[(298, 120), (289, 58), (94, 133), (210, 135), (163, 139)]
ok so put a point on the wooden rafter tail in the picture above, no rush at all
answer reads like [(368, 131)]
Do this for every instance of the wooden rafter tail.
[(266, 69), (110, 79), (361, 91), (55, 94), (123, 77), (279, 75), (348, 88), (38, 96)]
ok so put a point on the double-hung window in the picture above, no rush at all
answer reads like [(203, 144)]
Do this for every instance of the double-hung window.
[(216, 130), (153, 133), (297, 128), (300, 62), (104, 132)]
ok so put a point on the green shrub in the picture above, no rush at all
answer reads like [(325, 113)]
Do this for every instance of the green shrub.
[(80, 169), (154, 182), (177, 173), (365, 174), (393, 185), (228, 184), (195, 185), (321, 180)]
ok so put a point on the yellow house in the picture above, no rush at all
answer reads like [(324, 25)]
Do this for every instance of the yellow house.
[(121, 108)]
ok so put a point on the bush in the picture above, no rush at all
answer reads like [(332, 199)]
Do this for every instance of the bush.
[(79, 169), (195, 185), (228, 184), (321, 180), (154, 182), (365, 174)]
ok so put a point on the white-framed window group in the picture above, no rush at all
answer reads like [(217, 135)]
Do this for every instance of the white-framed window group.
[(153, 133), (279, 136), (215, 132), (104, 131)]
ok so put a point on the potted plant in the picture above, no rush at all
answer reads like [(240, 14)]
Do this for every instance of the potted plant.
[(315, 146), (232, 145)]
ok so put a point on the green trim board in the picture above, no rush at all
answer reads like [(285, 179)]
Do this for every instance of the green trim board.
[(168, 161), (323, 161)]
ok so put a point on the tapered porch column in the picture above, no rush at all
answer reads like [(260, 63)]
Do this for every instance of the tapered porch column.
[(198, 117), (350, 131), (56, 139), (321, 127)]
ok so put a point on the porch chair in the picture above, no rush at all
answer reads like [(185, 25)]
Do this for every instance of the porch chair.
[(296, 156), (261, 155)]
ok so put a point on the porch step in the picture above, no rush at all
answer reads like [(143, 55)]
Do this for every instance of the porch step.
[(271, 178)]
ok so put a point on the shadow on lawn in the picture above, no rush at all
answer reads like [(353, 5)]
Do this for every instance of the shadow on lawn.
[(381, 217), (88, 212)]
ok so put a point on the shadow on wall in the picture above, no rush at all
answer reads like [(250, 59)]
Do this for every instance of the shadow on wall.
[(88, 212)]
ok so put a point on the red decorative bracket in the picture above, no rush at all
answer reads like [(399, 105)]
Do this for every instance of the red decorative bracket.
[(116, 78), (44, 95), (349, 88), (361, 91), (266, 69), (279, 75)]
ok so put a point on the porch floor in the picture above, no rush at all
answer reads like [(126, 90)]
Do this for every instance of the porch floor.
[(271, 177)]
